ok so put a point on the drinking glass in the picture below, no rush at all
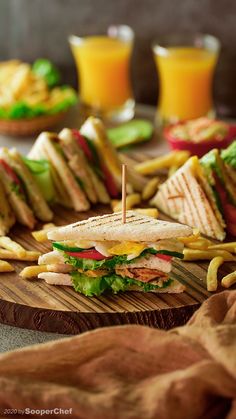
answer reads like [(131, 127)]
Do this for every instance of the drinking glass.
[(185, 65), (103, 66)]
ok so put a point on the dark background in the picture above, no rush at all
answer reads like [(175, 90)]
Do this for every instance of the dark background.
[(39, 28)]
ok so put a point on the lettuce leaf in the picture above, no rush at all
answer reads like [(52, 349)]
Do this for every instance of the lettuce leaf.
[(22, 110), (229, 155), (91, 264), (209, 163), (91, 286), (41, 172), (46, 69)]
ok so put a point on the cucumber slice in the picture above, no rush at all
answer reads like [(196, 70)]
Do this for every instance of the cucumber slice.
[(131, 132), (64, 248)]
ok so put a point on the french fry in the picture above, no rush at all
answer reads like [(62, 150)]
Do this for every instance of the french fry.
[(41, 235), (6, 267), (32, 271), (150, 212), (193, 254), (114, 203), (228, 280), (212, 273), (131, 200), (195, 236), (230, 247), (149, 166), (150, 189), (200, 244), (11, 245), (174, 158), (29, 256), (172, 170)]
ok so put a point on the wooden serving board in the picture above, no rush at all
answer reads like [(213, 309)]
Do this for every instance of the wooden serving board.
[(33, 304)]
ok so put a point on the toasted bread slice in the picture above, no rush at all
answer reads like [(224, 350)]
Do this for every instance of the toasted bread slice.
[(183, 198), (63, 279), (138, 227), (48, 143)]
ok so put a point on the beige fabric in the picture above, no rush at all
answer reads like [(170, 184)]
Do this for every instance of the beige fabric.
[(133, 371), (110, 227)]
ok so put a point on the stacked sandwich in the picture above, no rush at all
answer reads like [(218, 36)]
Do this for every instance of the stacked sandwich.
[(21, 198), (75, 169), (202, 193), (103, 254)]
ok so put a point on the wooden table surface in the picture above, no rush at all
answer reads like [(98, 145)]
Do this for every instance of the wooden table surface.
[(36, 305)]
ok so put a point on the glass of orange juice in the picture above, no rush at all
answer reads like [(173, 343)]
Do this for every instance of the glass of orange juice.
[(103, 65), (185, 66)]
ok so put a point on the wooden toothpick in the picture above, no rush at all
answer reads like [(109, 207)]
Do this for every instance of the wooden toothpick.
[(123, 193)]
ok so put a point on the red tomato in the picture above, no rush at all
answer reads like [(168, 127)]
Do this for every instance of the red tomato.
[(108, 178), (109, 182), (87, 254), (229, 210), (164, 257), (83, 144), (10, 172)]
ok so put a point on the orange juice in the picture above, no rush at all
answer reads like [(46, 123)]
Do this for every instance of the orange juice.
[(103, 68), (186, 75)]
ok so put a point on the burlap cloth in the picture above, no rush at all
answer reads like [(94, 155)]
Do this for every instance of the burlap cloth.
[(132, 371)]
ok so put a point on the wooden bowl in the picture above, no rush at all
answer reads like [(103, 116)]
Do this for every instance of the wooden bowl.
[(31, 126)]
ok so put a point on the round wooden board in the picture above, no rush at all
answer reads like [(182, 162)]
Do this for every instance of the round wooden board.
[(37, 305)]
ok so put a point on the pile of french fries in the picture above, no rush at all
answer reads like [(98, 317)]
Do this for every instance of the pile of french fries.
[(11, 250), (131, 201), (18, 83), (200, 248), (41, 235), (170, 161)]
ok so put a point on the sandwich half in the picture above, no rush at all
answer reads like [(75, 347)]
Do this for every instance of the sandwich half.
[(103, 254), (15, 190), (33, 193), (221, 176), (7, 217), (69, 188), (187, 197), (83, 161)]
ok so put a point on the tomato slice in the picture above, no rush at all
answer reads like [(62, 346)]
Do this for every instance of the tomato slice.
[(109, 182), (163, 257), (229, 210), (10, 172), (83, 144), (87, 254)]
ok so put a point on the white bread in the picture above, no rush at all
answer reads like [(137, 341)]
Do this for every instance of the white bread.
[(138, 227), (183, 198), (65, 280)]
